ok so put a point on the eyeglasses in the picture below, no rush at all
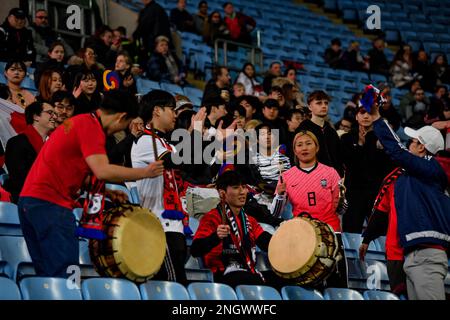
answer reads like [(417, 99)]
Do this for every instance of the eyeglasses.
[(42, 17), (51, 113), (67, 107)]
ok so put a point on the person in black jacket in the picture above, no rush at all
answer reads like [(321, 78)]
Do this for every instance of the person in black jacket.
[(219, 85), (360, 151), (181, 18), (22, 150), (16, 41), (333, 54), (103, 46), (329, 142), (55, 61)]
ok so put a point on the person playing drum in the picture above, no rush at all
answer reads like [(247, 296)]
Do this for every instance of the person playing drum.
[(75, 150), (227, 237), (310, 186)]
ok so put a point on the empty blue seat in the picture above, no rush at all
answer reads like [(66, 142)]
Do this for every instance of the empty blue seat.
[(163, 290), (194, 263), (84, 256), (199, 275), (376, 273), (3, 178), (14, 250), (9, 290), (109, 289), (211, 291), (144, 86), (379, 295), (46, 288), (341, 294), (247, 292), (352, 242), (172, 88), (9, 220), (299, 293)]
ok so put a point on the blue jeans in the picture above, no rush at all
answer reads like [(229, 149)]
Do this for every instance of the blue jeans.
[(49, 231)]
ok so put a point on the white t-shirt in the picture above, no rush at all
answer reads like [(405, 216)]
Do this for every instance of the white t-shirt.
[(151, 190)]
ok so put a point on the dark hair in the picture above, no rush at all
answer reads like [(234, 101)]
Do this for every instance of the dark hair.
[(201, 3), (102, 30), (271, 103), (229, 179), (226, 4), (336, 41), (13, 62), (252, 100), (34, 109), (184, 119), (439, 87), (4, 91), (155, 98), (85, 74), (61, 95), (264, 125), (241, 110), (115, 101), (213, 101), (291, 113), (276, 89), (318, 95), (122, 30), (217, 71), (289, 69), (246, 65), (54, 45), (274, 63)]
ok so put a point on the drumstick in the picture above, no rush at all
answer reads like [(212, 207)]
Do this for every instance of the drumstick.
[(280, 168), (155, 150)]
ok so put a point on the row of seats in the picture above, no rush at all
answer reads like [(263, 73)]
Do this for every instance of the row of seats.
[(47, 288)]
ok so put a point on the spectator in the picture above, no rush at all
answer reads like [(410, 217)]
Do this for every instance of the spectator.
[(333, 54), (182, 103), (201, 18), (251, 104), (238, 90), (388, 110), (215, 109), (102, 43), (441, 69), (408, 98), (152, 22), (64, 104), (215, 29), (164, 66), (54, 61), (344, 126), (416, 110), (270, 115), (22, 150), (401, 67), (351, 106), (352, 59), (219, 85), (293, 120), (87, 97), (50, 82), (15, 72), (247, 77), (44, 36), (88, 63), (377, 59), (291, 74), (181, 18), (240, 25), (360, 152), (274, 72), (424, 71), (239, 114), (329, 152), (439, 103), (16, 41), (123, 68)]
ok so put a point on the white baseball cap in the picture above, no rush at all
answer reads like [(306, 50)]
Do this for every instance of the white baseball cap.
[(429, 136)]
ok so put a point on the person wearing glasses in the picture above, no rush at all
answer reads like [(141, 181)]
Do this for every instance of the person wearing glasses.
[(44, 36), (22, 150), (63, 102), (16, 41), (15, 72)]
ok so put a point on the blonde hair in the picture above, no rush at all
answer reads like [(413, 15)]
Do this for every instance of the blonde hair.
[(302, 133), (252, 124)]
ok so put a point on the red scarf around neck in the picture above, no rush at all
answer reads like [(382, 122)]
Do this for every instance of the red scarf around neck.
[(34, 137)]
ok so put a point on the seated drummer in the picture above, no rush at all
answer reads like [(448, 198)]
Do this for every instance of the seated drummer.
[(227, 237)]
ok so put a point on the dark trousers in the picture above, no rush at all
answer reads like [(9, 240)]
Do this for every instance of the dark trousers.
[(360, 203), (172, 268), (49, 231), (397, 277)]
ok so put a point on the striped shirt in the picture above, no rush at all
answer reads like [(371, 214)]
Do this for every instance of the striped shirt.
[(315, 191), (269, 166)]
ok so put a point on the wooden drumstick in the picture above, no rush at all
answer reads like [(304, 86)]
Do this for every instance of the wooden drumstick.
[(155, 150)]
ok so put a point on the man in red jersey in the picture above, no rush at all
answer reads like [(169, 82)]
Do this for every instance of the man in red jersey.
[(75, 150)]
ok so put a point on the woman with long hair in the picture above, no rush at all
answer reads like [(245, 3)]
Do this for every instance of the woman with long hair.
[(51, 81), (247, 77), (87, 97), (15, 72), (55, 61)]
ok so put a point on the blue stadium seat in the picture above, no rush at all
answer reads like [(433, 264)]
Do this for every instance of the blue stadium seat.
[(3, 178), (163, 290), (77, 212), (144, 86), (262, 261), (211, 291), (109, 289), (376, 273), (299, 293), (341, 294), (246, 292), (9, 290), (193, 224), (14, 250), (9, 220), (172, 88), (28, 84), (379, 295), (199, 275), (84, 256), (194, 263), (352, 242), (43, 288)]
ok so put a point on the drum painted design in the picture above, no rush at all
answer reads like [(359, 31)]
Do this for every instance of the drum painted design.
[(305, 250), (135, 245)]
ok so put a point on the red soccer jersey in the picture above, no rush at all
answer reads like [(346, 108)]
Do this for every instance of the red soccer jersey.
[(208, 225), (60, 168), (393, 249), (315, 192)]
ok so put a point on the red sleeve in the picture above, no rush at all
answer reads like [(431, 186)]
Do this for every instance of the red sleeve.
[(91, 137), (257, 230), (208, 224), (384, 204)]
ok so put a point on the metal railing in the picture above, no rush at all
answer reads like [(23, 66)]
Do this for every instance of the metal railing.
[(256, 53)]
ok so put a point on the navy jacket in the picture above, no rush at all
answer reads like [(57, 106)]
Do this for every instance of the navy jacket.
[(423, 209)]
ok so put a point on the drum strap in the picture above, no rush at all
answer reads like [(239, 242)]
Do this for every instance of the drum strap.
[(241, 238), (390, 179), (173, 208)]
